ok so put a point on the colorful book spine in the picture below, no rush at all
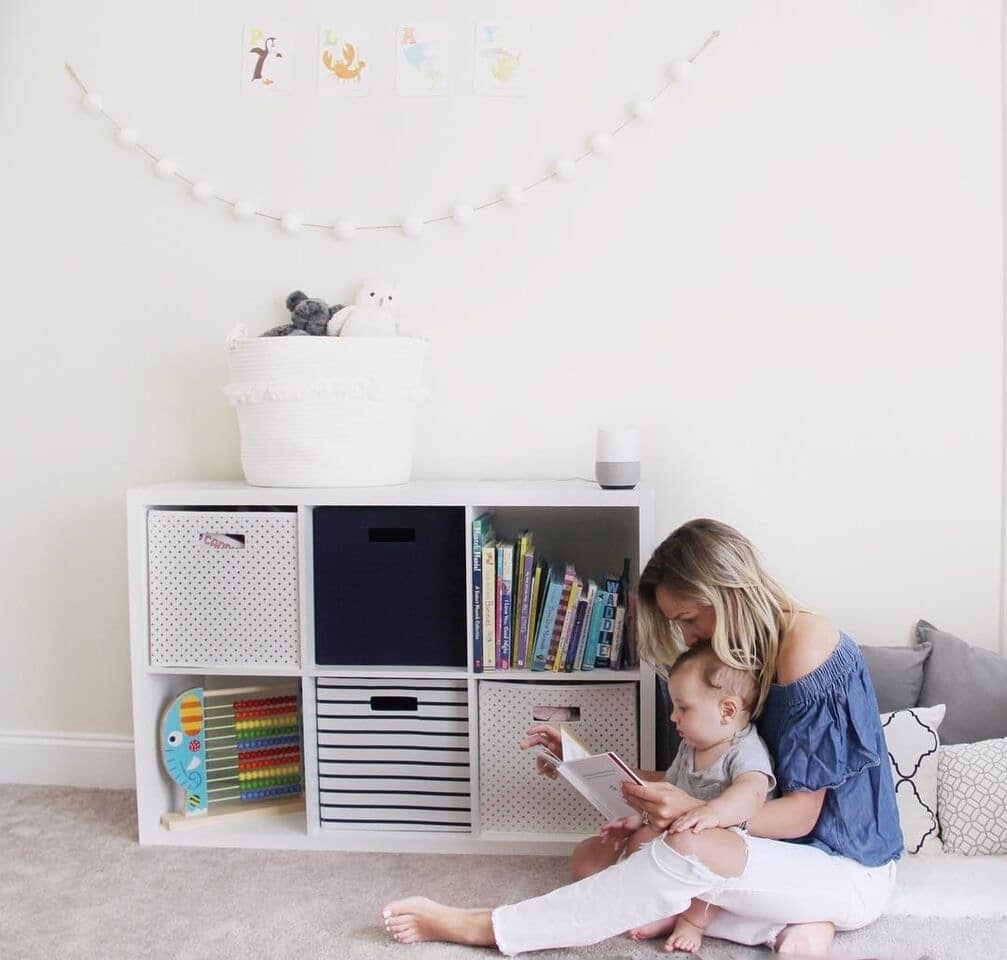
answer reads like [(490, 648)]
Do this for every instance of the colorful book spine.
[(594, 629), (527, 588), (576, 635), (617, 629), (520, 546), (564, 605), (482, 530), (505, 581), (550, 608), (489, 604), (603, 659), (536, 587), (592, 590), (568, 624)]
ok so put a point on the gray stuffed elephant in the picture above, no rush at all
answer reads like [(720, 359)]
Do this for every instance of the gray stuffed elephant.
[(309, 317)]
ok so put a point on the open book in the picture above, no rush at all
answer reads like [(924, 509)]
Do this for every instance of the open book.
[(597, 777)]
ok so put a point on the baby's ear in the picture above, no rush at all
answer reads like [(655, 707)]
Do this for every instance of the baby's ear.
[(729, 708)]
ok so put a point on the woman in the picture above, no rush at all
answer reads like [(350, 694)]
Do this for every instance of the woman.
[(820, 857)]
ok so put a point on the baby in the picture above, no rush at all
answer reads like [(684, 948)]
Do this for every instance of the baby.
[(722, 761)]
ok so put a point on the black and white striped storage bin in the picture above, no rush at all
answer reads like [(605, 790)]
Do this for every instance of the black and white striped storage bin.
[(393, 754)]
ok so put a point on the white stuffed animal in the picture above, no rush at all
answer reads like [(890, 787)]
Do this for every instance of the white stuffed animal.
[(372, 314)]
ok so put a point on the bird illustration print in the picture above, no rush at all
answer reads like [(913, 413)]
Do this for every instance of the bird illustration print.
[(268, 49), (349, 68), (183, 747)]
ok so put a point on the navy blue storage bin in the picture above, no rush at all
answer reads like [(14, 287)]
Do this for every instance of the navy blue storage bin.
[(390, 586)]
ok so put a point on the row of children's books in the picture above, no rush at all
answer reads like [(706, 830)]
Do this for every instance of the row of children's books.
[(528, 614)]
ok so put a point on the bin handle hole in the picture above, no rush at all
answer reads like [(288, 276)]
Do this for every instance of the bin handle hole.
[(394, 703), (544, 714)]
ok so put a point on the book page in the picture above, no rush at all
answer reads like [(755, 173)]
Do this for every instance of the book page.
[(573, 749), (599, 779)]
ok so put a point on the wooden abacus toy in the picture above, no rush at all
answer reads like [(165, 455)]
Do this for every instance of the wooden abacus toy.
[(235, 752)]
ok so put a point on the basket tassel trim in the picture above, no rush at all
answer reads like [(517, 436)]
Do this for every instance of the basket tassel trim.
[(356, 388)]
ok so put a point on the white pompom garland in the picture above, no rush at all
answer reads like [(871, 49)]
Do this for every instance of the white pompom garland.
[(564, 169)]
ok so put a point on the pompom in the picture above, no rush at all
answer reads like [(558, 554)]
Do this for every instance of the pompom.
[(290, 222), (601, 143), (91, 102), (244, 209), (462, 213), (128, 136), (512, 196), (412, 226), (642, 109), (165, 168)]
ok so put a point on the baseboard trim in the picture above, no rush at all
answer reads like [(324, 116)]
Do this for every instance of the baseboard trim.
[(66, 759)]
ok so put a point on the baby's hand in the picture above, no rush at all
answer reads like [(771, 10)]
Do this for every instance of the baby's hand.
[(621, 828), (701, 818)]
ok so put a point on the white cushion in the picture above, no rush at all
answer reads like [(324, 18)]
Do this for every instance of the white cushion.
[(972, 797), (913, 745)]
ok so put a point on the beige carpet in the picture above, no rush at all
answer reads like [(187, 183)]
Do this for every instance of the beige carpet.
[(74, 883)]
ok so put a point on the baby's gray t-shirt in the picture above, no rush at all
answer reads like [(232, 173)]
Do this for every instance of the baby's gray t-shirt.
[(746, 754)]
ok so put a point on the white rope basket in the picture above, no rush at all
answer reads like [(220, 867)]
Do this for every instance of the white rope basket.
[(326, 411)]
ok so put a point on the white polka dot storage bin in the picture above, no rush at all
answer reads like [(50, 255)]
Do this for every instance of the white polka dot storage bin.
[(326, 411), (513, 796), (223, 588)]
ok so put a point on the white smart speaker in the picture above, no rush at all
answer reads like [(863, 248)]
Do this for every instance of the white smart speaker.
[(617, 464)]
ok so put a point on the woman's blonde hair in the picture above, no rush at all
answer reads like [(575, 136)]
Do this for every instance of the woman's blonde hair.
[(712, 564)]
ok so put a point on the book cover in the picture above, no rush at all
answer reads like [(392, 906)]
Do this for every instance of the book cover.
[(576, 633), (550, 608), (592, 590), (489, 604), (482, 530), (527, 586), (505, 591), (596, 777), (569, 576)]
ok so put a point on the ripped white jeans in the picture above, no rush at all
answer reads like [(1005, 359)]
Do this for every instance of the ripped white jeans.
[(782, 883)]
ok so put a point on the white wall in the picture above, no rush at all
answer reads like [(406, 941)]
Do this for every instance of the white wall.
[(791, 280)]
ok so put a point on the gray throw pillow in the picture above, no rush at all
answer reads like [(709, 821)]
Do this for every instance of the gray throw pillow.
[(971, 681), (897, 673)]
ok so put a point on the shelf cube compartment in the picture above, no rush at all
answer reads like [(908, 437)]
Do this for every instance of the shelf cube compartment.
[(513, 796), (222, 588), (389, 586), (393, 754)]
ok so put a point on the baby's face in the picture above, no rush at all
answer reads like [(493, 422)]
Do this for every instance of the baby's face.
[(696, 710)]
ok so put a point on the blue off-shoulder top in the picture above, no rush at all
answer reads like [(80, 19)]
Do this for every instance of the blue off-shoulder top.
[(824, 730)]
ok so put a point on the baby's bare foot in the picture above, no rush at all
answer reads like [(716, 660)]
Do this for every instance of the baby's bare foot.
[(686, 937), (418, 919), (651, 930)]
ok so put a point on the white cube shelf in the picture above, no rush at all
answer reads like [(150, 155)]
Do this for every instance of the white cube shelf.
[(396, 757)]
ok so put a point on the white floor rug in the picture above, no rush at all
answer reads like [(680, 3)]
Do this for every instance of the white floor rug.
[(950, 885)]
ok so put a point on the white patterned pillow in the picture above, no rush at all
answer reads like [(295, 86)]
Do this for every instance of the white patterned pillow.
[(972, 797), (913, 744)]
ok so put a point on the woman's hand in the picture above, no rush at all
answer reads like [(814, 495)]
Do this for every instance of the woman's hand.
[(662, 803), (543, 735)]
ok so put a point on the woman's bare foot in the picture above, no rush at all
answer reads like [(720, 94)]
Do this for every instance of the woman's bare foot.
[(807, 939), (686, 937), (418, 919), (651, 930)]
